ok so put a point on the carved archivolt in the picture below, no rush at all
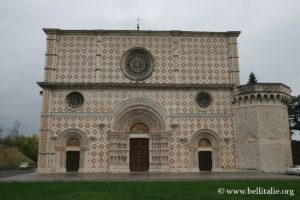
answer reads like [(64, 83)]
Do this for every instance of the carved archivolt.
[(72, 134), (73, 142), (204, 134), (139, 111)]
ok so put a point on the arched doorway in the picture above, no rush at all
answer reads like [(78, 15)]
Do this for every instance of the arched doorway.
[(72, 155), (139, 149), (205, 151), (139, 123), (71, 147), (204, 155)]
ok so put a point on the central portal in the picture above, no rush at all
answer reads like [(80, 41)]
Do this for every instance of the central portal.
[(139, 154)]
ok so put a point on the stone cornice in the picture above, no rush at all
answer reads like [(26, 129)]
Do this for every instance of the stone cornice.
[(262, 88), (141, 32), (150, 86)]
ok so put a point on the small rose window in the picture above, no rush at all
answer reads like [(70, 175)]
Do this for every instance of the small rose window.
[(74, 100), (203, 99)]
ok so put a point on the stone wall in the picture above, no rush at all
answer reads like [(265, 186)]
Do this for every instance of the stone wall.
[(246, 125), (189, 62), (263, 138), (183, 118), (179, 57)]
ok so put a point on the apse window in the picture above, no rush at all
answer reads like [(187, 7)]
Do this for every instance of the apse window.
[(203, 99), (74, 100)]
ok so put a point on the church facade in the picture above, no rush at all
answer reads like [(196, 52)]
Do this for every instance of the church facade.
[(156, 101)]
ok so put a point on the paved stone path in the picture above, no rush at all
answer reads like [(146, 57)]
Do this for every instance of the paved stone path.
[(8, 173), (148, 176)]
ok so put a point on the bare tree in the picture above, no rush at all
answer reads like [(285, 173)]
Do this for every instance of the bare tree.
[(1, 131), (14, 132)]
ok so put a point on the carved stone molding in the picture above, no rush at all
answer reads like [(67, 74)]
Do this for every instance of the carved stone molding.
[(262, 88), (135, 86), (141, 32)]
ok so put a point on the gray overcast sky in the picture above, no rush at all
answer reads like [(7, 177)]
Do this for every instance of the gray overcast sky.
[(269, 44)]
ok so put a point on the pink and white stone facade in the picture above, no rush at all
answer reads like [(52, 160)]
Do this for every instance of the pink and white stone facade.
[(184, 64)]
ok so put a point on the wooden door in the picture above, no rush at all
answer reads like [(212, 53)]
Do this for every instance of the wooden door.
[(72, 161), (205, 160), (139, 154)]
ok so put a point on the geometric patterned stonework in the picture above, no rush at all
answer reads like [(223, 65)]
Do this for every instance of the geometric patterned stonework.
[(199, 60), (179, 66)]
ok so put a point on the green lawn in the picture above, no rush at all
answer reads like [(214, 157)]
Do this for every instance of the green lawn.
[(186, 190)]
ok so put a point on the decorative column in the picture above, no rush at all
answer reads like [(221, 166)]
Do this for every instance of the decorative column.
[(98, 58), (175, 59), (118, 152), (46, 157), (159, 152), (60, 159), (51, 57), (233, 57)]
